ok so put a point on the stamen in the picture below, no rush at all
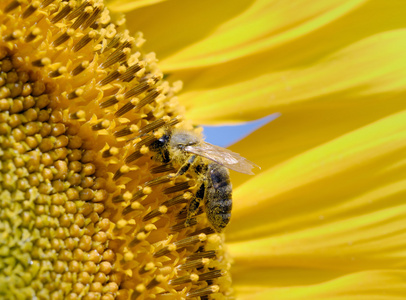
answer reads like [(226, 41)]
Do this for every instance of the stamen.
[(78, 10), (112, 76), (126, 131), (133, 208), (32, 35), (120, 172), (183, 213), (155, 213), (145, 142), (142, 87), (63, 37), (180, 226), (97, 11), (140, 236), (126, 43), (80, 114), (113, 100), (148, 99), (158, 180), (180, 186), (194, 264), (129, 106), (101, 125), (41, 62), (129, 74), (45, 3), (124, 109), (84, 40), (115, 57), (113, 43), (139, 289), (148, 267), (154, 282), (133, 156), (63, 13), (165, 250), (31, 9), (184, 279), (165, 168), (75, 94), (153, 125), (60, 71), (13, 5), (80, 68), (141, 193), (206, 230), (184, 198), (190, 241), (16, 34), (200, 255), (211, 275), (203, 292), (110, 152), (82, 18)]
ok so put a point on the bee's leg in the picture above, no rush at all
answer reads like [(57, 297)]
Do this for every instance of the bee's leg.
[(182, 170), (195, 202)]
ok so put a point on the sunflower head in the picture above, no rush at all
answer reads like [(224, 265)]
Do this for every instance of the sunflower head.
[(85, 211)]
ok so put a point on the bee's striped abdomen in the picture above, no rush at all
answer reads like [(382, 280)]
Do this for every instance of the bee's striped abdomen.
[(218, 198)]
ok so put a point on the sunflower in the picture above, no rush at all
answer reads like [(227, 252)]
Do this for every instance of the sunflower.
[(87, 213)]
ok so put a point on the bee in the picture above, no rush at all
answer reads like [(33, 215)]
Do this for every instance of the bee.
[(210, 163)]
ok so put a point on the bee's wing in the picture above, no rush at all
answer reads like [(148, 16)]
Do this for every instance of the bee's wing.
[(222, 156)]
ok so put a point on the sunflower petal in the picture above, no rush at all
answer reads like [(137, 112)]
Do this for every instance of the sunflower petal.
[(258, 26), (371, 240), (128, 5), (368, 285), (358, 71), (356, 174)]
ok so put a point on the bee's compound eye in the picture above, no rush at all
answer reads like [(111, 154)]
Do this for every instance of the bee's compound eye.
[(159, 143)]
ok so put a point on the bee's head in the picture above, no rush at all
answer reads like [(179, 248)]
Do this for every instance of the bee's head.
[(161, 143), (160, 147), (182, 139)]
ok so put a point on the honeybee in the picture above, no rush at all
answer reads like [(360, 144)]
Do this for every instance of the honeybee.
[(210, 163)]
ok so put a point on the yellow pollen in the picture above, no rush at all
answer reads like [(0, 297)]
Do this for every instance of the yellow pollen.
[(144, 149), (128, 256), (147, 190), (172, 247), (162, 209), (127, 196), (136, 205), (140, 288), (150, 227), (149, 266)]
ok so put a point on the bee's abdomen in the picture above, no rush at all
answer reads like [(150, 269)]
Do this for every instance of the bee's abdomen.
[(218, 199)]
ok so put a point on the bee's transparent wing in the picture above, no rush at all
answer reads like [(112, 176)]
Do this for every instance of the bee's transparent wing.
[(224, 157)]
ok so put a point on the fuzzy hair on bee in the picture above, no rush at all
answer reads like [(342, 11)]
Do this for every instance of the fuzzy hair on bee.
[(209, 163)]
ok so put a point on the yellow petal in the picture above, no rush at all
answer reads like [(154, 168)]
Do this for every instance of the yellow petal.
[(234, 30), (237, 92), (342, 177), (374, 239), (128, 5), (368, 285)]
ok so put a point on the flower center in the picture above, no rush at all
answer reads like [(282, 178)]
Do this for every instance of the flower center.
[(85, 211)]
